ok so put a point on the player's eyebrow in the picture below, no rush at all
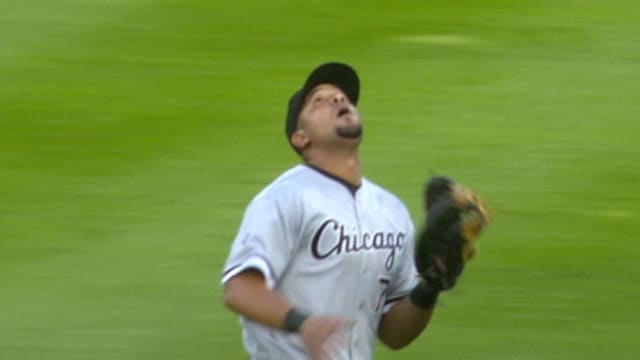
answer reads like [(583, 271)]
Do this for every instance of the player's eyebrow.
[(315, 90), (310, 96)]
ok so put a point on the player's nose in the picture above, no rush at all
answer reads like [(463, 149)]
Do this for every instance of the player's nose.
[(338, 98)]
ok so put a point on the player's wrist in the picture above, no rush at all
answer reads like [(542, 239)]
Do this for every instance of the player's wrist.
[(424, 295), (293, 319)]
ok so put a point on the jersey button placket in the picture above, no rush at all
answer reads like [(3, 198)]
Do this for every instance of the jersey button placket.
[(362, 283), (361, 221)]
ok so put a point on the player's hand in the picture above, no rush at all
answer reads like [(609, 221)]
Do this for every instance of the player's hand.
[(323, 336)]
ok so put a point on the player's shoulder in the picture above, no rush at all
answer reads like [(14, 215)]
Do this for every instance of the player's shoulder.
[(281, 187)]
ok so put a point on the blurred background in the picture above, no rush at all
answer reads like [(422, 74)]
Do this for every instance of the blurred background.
[(133, 134)]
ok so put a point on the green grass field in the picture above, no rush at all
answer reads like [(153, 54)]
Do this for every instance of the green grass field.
[(133, 134)]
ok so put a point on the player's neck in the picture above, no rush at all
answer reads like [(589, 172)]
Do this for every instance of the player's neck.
[(345, 166)]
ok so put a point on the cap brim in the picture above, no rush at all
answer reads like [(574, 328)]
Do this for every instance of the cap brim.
[(341, 75)]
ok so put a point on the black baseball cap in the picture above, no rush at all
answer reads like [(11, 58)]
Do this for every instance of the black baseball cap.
[(341, 75)]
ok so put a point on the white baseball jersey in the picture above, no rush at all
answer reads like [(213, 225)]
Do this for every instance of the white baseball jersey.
[(328, 250)]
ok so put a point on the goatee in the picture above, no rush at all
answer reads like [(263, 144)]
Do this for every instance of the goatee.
[(350, 132)]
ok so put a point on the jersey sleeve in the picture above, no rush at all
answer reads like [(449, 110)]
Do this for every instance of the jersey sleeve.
[(406, 277), (264, 241)]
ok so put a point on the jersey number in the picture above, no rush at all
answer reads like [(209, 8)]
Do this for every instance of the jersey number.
[(384, 281)]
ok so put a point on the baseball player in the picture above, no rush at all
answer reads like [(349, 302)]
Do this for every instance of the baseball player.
[(323, 262)]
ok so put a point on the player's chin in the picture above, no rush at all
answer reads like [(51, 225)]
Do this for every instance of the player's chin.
[(350, 131)]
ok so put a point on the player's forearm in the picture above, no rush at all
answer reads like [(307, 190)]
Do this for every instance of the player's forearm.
[(403, 323), (248, 295)]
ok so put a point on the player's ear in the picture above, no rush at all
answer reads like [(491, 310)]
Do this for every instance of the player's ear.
[(299, 139)]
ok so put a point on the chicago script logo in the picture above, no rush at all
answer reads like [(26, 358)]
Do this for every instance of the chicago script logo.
[(331, 239)]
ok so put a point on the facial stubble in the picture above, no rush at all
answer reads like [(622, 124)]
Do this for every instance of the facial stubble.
[(350, 131)]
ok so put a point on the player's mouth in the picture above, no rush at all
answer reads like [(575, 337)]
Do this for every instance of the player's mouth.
[(343, 111)]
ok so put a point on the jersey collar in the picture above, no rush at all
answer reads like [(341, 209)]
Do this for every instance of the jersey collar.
[(350, 186)]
